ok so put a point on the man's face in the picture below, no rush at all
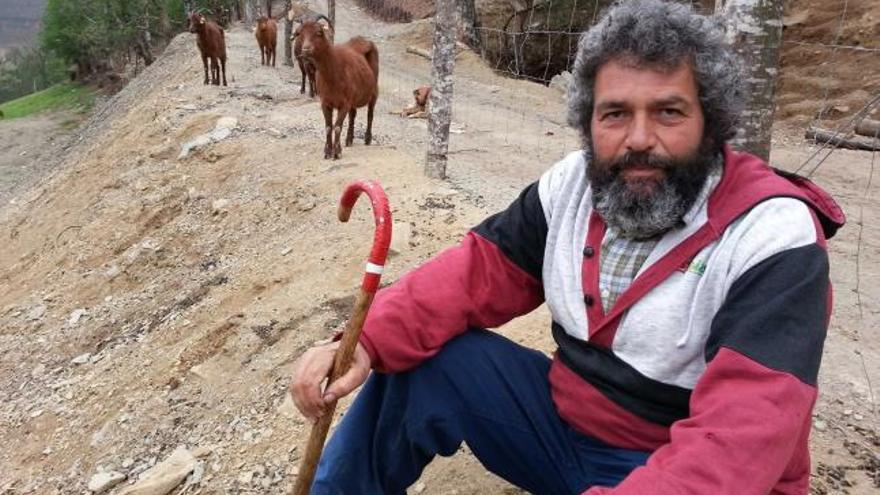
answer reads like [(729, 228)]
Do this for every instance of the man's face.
[(646, 135)]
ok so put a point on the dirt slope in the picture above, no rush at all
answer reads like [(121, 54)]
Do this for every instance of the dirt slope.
[(193, 283)]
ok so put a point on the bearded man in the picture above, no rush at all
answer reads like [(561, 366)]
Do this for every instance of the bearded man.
[(688, 285)]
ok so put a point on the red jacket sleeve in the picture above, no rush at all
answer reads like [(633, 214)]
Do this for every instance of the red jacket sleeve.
[(493, 276), (472, 285)]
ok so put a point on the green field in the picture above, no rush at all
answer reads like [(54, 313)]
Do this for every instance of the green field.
[(67, 95)]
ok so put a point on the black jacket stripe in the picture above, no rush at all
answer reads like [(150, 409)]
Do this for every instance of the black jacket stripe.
[(520, 231), (649, 399), (776, 313)]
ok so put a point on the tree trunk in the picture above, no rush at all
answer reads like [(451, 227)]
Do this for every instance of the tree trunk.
[(331, 14), (249, 10), (468, 11), (755, 29), (440, 107), (288, 32)]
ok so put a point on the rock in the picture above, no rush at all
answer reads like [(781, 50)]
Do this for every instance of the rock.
[(202, 452), (305, 204), (37, 312), (287, 408), (37, 413), (38, 370), (820, 425), (561, 81), (419, 488), (101, 482), (196, 476), (219, 205), (401, 234), (127, 463), (112, 272), (286, 251), (222, 130), (81, 359), (246, 477), (165, 476), (75, 316)]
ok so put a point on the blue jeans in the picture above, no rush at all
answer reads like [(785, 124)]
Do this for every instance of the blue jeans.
[(484, 390)]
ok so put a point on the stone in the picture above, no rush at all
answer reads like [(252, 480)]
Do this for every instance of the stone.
[(820, 425), (420, 487), (287, 408), (165, 476), (112, 272), (222, 130), (561, 81), (75, 316), (37, 312), (246, 477), (81, 359), (101, 482), (401, 234), (219, 205)]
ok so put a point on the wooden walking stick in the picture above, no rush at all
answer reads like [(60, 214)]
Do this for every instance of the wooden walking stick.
[(345, 353)]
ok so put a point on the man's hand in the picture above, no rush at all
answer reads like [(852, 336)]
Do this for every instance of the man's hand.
[(311, 371)]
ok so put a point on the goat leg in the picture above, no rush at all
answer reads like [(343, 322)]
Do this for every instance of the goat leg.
[(223, 68), (368, 136), (349, 136), (328, 123), (205, 63), (302, 71), (337, 132)]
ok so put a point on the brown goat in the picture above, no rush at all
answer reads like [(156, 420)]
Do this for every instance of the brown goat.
[(298, 14), (267, 39), (212, 45), (306, 68), (347, 76)]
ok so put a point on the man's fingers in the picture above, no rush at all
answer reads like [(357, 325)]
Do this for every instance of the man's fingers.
[(310, 372), (352, 379)]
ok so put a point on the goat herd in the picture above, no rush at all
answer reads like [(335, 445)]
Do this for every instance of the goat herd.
[(344, 76)]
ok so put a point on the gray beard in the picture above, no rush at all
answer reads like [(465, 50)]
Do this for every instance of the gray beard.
[(637, 214)]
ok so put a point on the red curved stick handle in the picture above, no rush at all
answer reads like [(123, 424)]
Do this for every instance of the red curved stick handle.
[(382, 237)]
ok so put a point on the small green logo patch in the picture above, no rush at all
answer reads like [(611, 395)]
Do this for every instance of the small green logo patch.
[(698, 267)]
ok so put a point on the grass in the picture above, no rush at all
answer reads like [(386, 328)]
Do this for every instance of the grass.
[(65, 95)]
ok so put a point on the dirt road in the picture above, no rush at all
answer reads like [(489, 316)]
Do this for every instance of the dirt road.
[(150, 301)]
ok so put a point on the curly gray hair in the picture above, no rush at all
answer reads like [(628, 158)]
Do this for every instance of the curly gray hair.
[(656, 33)]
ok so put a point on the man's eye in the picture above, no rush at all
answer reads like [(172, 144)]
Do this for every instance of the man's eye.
[(670, 112), (615, 115)]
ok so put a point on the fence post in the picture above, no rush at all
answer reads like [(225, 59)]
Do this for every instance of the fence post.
[(440, 106), (754, 28), (331, 14)]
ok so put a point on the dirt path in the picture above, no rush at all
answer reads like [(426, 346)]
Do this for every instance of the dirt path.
[(30, 147), (150, 301)]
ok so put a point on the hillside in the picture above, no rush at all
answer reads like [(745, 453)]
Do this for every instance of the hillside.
[(19, 22), (150, 300)]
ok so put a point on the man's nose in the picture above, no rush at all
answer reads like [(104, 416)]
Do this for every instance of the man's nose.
[(641, 135)]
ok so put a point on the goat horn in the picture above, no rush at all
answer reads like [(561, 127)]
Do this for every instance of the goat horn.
[(322, 16)]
